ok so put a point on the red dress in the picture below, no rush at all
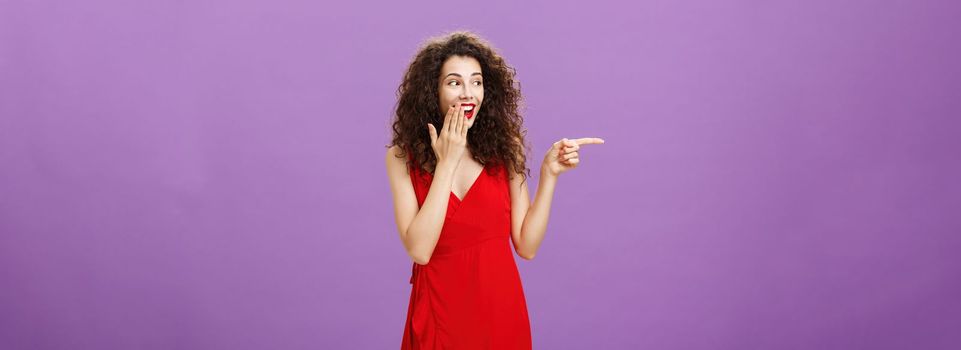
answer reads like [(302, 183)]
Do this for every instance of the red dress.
[(469, 295)]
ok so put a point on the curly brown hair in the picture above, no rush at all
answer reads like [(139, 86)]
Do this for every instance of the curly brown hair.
[(497, 137)]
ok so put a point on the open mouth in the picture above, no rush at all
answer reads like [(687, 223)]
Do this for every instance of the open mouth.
[(469, 110)]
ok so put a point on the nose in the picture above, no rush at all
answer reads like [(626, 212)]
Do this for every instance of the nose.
[(466, 94)]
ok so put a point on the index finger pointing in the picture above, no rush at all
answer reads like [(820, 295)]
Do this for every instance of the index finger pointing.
[(589, 140)]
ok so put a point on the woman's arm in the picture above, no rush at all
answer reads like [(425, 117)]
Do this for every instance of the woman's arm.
[(529, 220), (419, 229)]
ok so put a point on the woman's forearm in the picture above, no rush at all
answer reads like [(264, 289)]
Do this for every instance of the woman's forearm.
[(424, 231), (535, 222)]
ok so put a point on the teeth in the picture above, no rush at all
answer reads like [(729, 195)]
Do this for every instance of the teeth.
[(468, 108)]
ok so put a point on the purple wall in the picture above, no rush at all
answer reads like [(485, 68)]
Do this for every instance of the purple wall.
[(210, 174)]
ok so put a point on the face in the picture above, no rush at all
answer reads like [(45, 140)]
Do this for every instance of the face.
[(461, 84)]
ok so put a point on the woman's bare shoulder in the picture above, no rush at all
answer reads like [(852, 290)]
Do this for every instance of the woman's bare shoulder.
[(393, 151), (395, 159)]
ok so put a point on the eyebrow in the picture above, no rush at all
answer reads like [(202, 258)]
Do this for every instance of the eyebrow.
[(458, 75)]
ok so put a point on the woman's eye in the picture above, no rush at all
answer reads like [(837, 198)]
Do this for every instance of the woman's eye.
[(478, 83), (452, 83)]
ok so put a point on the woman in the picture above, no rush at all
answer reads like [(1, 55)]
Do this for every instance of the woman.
[(457, 170)]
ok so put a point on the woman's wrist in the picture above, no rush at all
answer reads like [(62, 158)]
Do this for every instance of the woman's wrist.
[(546, 172), (445, 165)]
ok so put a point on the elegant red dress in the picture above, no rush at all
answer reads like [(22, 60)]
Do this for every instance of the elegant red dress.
[(469, 295)]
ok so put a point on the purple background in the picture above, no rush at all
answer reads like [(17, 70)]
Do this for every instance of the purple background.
[(210, 174)]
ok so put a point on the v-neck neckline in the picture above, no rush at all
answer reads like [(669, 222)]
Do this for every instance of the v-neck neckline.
[(472, 185)]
